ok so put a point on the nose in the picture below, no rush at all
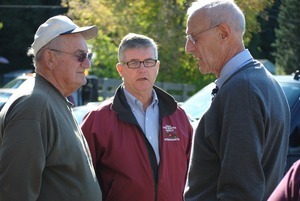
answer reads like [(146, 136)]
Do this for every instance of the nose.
[(189, 46), (86, 63), (142, 63), (142, 68)]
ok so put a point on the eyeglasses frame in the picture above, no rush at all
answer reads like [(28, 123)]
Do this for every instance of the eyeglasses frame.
[(192, 37), (155, 60), (87, 55)]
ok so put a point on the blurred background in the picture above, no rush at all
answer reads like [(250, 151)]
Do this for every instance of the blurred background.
[(271, 35)]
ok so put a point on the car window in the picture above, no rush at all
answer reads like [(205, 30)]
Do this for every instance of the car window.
[(197, 104), (14, 84), (4, 96)]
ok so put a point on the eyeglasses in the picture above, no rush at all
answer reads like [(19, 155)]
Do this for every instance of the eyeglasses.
[(192, 37), (148, 63), (81, 57)]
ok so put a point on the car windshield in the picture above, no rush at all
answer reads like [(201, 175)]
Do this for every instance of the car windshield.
[(14, 84), (197, 104)]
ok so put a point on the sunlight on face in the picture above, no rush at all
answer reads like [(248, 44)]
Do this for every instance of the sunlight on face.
[(69, 72), (139, 80), (204, 48)]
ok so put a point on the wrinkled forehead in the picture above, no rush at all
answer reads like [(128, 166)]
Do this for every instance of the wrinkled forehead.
[(196, 22)]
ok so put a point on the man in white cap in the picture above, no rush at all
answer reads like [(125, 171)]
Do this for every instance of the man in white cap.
[(43, 154)]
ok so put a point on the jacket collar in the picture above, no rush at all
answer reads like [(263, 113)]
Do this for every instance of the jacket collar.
[(167, 104)]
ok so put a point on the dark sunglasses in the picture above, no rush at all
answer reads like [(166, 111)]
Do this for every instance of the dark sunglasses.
[(81, 57)]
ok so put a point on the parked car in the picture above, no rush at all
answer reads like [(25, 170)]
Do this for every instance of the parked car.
[(8, 89), (4, 95), (16, 82), (85, 94), (81, 111), (197, 104)]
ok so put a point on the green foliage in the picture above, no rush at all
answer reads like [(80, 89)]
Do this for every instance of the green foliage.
[(164, 21), (261, 43), (252, 9), (287, 37)]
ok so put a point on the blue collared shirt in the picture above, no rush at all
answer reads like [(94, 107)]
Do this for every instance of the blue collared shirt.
[(235, 63), (148, 120)]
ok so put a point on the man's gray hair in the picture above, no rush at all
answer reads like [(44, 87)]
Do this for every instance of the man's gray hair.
[(133, 41), (220, 11), (36, 58)]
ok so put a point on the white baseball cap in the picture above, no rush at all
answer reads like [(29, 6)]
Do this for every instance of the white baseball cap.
[(59, 25)]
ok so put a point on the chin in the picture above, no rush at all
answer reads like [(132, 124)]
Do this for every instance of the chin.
[(203, 70), (82, 80), (145, 88)]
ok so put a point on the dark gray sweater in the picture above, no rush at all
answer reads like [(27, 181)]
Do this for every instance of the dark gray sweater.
[(241, 142)]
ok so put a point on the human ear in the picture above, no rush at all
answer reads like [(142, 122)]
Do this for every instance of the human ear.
[(119, 69), (224, 31), (48, 59)]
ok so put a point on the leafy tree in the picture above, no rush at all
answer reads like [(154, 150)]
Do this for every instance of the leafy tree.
[(261, 42), (287, 37), (252, 9), (165, 21)]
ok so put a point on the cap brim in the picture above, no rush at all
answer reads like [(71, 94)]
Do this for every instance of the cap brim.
[(88, 32)]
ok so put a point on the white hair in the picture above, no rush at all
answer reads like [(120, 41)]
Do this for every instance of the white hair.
[(220, 11)]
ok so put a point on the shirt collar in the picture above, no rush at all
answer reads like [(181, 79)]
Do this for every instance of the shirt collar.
[(132, 100), (235, 63)]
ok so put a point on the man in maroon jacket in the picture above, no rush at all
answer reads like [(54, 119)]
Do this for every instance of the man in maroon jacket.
[(140, 140), (289, 187)]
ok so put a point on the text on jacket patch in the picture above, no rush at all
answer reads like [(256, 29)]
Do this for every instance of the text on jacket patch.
[(169, 133)]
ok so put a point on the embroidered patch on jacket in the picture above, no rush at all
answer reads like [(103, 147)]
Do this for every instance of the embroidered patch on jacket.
[(169, 133)]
